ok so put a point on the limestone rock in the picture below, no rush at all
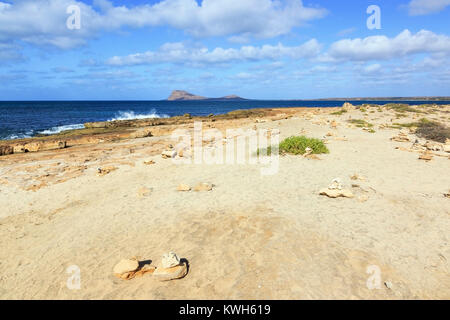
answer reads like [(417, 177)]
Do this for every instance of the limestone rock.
[(447, 146), (427, 156), (335, 184), (170, 260), (125, 266), (401, 137), (434, 146), (336, 190), (336, 193), (167, 154), (149, 162), (203, 187), (5, 150), (167, 274), (105, 170), (141, 133), (183, 187)]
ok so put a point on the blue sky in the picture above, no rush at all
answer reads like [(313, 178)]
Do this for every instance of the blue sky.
[(266, 49)]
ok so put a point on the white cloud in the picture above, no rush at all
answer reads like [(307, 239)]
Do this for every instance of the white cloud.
[(43, 22), (423, 7), (180, 53), (384, 48)]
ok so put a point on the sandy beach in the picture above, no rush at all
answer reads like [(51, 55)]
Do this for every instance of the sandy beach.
[(252, 236)]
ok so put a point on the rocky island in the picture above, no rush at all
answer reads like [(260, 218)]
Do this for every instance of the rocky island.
[(181, 95)]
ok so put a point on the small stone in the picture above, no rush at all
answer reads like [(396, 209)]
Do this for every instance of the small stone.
[(125, 266), (427, 156), (203, 187), (167, 274), (170, 260), (183, 187), (149, 162), (169, 154), (335, 184), (106, 170), (389, 285)]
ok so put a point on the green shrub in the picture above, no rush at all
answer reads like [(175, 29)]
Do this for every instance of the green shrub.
[(428, 129), (297, 145), (339, 113)]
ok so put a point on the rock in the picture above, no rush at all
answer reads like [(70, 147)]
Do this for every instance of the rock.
[(334, 124), (401, 137), (5, 150), (169, 154), (203, 187), (389, 285), (308, 151), (167, 274), (427, 156), (125, 266), (36, 146), (144, 192), (183, 187), (330, 134), (447, 145), (149, 162), (141, 133), (105, 170), (357, 177), (335, 184), (447, 195), (434, 146), (170, 260), (336, 193)]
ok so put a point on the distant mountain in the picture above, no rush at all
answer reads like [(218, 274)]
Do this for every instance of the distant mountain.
[(180, 95)]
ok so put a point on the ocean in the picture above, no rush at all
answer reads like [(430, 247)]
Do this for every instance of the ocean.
[(23, 119)]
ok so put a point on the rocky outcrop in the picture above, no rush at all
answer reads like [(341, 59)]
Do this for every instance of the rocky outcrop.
[(5, 150), (180, 95), (35, 146)]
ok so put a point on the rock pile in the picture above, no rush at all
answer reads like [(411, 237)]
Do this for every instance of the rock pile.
[(336, 190), (401, 137)]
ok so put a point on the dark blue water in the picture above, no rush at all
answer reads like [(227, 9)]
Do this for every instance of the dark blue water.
[(26, 119)]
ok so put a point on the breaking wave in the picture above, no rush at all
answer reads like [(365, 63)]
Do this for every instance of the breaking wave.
[(131, 115), (59, 129)]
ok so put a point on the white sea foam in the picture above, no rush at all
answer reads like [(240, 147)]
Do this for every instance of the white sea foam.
[(131, 115), (15, 136), (59, 129)]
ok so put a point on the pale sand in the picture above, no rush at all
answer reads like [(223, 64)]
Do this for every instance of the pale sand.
[(252, 237)]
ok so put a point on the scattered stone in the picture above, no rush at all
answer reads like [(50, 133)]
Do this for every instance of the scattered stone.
[(447, 146), (433, 146), (170, 260), (203, 187), (144, 192), (308, 151), (330, 134), (427, 156), (357, 177), (402, 137), (335, 190), (169, 154), (335, 184), (334, 124), (447, 195), (106, 170), (183, 187), (389, 285), (167, 274), (126, 266), (149, 162)]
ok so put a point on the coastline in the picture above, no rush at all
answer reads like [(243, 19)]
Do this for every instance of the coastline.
[(251, 236)]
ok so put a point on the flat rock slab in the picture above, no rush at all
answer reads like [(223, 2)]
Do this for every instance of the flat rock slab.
[(336, 193)]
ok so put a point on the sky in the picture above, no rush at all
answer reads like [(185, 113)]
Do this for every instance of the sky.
[(259, 49)]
